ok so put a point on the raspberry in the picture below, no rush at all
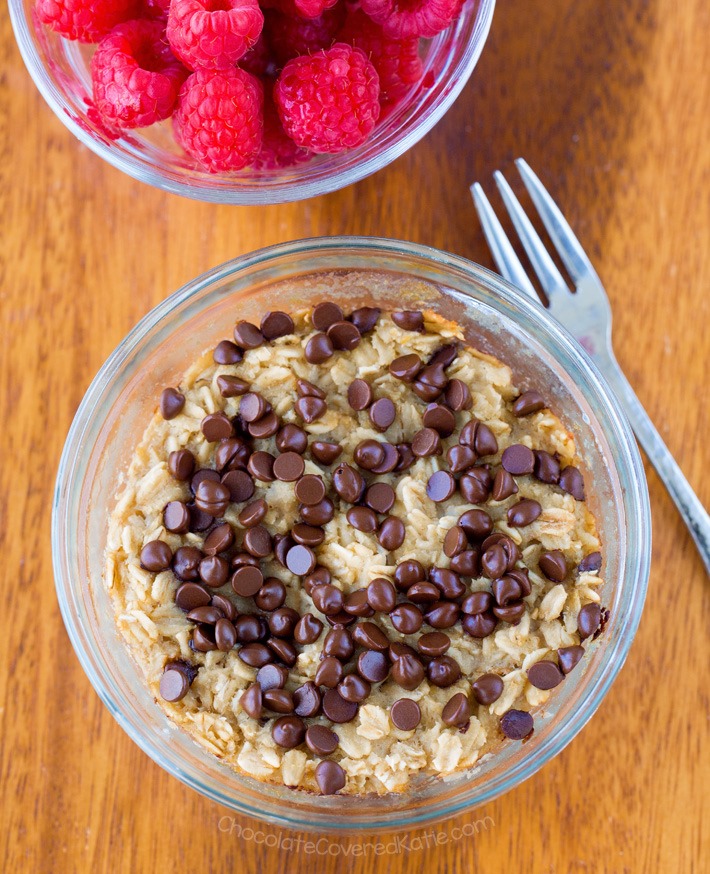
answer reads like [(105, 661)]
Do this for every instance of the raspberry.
[(278, 150), (219, 118), (85, 20), (300, 8), (291, 36), (213, 34), (258, 60), (404, 19), (329, 101), (136, 77), (397, 61)]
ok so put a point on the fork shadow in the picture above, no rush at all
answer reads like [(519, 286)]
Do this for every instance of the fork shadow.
[(557, 83)]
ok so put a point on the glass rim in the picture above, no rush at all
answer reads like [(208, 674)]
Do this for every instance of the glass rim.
[(144, 171), (634, 482)]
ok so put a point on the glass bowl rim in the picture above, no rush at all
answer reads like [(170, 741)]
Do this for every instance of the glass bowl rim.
[(291, 192), (640, 525)]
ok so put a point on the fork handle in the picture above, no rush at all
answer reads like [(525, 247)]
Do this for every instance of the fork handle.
[(694, 514)]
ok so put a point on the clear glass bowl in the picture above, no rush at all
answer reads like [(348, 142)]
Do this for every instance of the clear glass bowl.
[(60, 70), (122, 398)]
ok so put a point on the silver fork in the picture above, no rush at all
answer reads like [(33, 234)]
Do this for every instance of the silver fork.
[(587, 316)]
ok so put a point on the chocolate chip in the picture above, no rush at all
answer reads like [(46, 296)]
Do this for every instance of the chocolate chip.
[(232, 454), (407, 573), (174, 683), (362, 519), (216, 426), (288, 467), (203, 639), (406, 367), (392, 533), (176, 517), (455, 542), (460, 458), (338, 643), (202, 475), (224, 635), (528, 402), (214, 497), (326, 314), (219, 539), (547, 468), (348, 483), (381, 595), (288, 731), (511, 613), (553, 565), (487, 688), (372, 666), (443, 671), (588, 620), (389, 462), (325, 453), (276, 324), (181, 464), (440, 486), (247, 336), (425, 391), (516, 724), (253, 513), (321, 741), (370, 636), (409, 320), (266, 427), (572, 482), (479, 625), (307, 630), (359, 394), (256, 655), (457, 396), (447, 582), (310, 490), (156, 556), (434, 375), (251, 701), (328, 599), (423, 593), (503, 486), (336, 708), (306, 389), (318, 514), (426, 442), (369, 454), (261, 466), (434, 643), (442, 614), (222, 602), (406, 457), (545, 675), (171, 403), (282, 622), (329, 672), (440, 418), (569, 657), (226, 352), (257, 542), (330, 777), (405, 714), (307, 535), (407, 672), (380, 497), (249, 628), (382, 414), (457, 711), (186, 562), (475, 485), (495, 562), (291, 438), (445, 355), (252, 407), (307, 700), (247, 580), (365, 318), (525, 512), (189, 596), (231, 386), (344, 336), (479, 437), (406, 618), (518, 459), (310, 409), (356, 604), (506, 590), (467, 563), (318, 349), (476, 523), (354, 688), (300, 560), (590, 563), (214, 571)]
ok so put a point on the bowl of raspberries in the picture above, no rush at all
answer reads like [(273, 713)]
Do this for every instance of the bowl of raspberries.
[(250, 101)]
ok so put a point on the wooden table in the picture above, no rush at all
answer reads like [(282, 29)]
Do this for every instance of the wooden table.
[(609, 102)]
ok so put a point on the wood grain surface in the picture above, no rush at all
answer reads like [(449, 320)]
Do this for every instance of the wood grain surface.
[(609, 102)]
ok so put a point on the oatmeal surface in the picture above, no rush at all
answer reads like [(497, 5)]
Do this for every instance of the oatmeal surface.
[(376, 749)]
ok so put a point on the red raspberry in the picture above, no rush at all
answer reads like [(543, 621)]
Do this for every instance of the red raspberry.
[(301, 8), (404, 19), (213, 34), (258, 60), (397, 61), (219, 118), (291, 36), (85, 20), (136, 77), (278, 149), (329, 101)]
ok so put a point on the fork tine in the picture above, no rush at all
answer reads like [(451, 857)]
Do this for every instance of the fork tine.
[(499, 244), (568, 246), (550, 277)]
